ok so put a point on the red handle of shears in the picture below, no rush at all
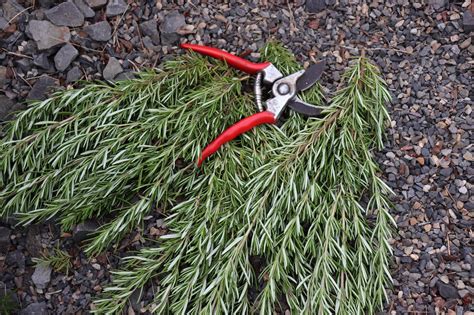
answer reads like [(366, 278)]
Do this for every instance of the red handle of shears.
[(235, 130), (232, 60)]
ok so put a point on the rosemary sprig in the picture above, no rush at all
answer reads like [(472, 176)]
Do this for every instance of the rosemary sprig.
[(58, 259)]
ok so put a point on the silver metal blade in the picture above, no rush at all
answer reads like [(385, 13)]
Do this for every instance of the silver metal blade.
[(310, 76), (303, 108)]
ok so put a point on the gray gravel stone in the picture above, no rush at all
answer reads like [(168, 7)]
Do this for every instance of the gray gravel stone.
[(65, 14), (73, 75), (41, 88), (24, 64), (466, 43), (115, 7), (150, 28), (83, 230), (4, 237), (12, 9), (42, 61), (314, 6), (414, 276), (447, 291), (172, 22), (100, 31), (65, 56), (96, 3), (35, 309), (3, 23), (8, 108), (46, 4), (16, 258), (468, 21), (438, 4), (112, 69), (148, 43), (125, 76), (84, 8), (41, 276), (46, 35)]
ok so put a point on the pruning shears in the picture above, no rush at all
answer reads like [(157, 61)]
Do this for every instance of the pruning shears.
[(283, 88)]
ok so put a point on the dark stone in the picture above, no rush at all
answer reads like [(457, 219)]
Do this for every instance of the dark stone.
[(3, 23), (135, 300), (84, 230), (469, 206), (115, 7), (240, 11), (314, 6), (41, 88), (35, 309), (73, 75), (425, 51), (8, 108), (65, 14), (16, 258), (438, 4), (65, 56), (46, 4), (96, 3), (148, 43), (446, 172), (468, 21), (125, 76), (99, 31), (30, 48), (11, 9), (150, 28), (447, 291), (112, 69), (4, 239), (42, 61), (84, 8), (24, 64), (41, 276), (170, 26), (47, 35)]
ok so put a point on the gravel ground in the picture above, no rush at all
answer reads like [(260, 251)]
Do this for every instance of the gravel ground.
[(423, 48)]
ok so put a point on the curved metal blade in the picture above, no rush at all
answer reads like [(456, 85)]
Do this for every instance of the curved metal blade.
[(304, 108), (310, 76)]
